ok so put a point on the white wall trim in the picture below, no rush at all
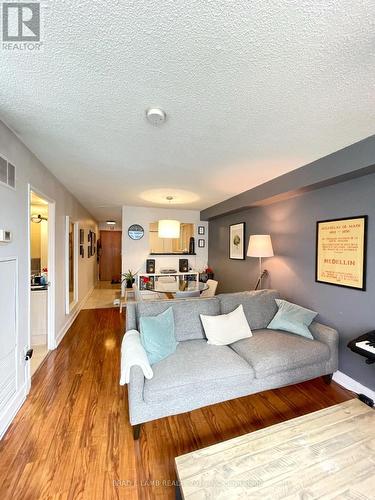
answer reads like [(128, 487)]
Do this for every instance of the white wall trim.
[(51, 266), (71, 319), (352, 385), (12, 408), (69, 306)]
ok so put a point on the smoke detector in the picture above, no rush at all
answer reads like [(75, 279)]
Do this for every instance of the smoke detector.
[(156, 116)]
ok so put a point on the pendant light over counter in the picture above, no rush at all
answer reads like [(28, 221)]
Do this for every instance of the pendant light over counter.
[(169, 228)]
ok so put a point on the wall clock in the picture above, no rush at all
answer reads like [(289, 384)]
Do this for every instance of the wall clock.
[(136, 232)]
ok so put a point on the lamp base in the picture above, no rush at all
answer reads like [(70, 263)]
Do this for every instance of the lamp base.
[(261, 276)]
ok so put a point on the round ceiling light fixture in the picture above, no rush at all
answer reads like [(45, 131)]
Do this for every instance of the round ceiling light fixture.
[(156, 116), (160, 196)]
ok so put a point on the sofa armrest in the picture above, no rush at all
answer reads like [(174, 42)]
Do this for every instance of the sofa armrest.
[(327, 335), (131, 318), (135, 391)]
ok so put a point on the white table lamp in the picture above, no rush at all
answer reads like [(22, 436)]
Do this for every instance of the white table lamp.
[(260, 245)]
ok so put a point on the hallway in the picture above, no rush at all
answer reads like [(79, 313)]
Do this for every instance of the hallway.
[(103, 295)]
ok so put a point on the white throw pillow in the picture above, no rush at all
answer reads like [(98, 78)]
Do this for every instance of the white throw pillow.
[(226, 328)]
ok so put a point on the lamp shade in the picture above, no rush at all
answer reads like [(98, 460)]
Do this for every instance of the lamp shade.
[(260, 245), (169, 228)]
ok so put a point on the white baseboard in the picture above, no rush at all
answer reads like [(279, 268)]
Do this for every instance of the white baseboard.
[(72, 317), (12, 409), (352, 385)]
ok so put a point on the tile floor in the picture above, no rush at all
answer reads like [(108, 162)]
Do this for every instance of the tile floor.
[(103, 296), (40, 352)]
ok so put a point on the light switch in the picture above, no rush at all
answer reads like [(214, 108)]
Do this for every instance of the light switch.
[(5, 236)]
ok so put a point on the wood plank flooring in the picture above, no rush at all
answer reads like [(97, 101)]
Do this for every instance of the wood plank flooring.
[(71, 439)]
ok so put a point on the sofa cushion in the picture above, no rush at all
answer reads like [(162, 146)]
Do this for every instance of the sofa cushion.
[(271, 351), (187, 322), (194, 368), (259, 306)]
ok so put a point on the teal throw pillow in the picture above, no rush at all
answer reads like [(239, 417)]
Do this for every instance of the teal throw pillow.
[(292, 318), (157, 335)]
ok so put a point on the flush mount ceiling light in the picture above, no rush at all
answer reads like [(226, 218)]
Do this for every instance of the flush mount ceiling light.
[(160, 195), (168, 228), (111, 222), (156, 116)]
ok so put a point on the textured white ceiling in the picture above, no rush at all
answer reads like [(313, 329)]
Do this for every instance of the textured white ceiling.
[(252, 89)]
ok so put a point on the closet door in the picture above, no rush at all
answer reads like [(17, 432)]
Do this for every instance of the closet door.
[(8, 336)]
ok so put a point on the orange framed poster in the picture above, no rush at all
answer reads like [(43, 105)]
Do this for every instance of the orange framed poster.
[(341, 252)]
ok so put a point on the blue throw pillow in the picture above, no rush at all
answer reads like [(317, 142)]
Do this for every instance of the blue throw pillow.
[(292, 318), (157, 335)]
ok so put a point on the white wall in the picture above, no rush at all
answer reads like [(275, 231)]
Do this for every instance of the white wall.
[(14, 216), (135, 253)]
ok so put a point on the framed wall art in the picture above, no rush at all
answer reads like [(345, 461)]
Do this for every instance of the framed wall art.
[(341, 252), (237, 241)]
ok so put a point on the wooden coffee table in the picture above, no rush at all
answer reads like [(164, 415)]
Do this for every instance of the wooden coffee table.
[(326, 454)]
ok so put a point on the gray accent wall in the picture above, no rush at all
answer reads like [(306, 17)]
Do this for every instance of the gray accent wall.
[(292, 225)]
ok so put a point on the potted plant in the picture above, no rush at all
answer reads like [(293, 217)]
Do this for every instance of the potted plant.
[(129, 278), (206, 274)]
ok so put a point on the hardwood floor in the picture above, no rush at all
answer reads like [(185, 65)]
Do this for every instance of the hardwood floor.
[(72, 440)]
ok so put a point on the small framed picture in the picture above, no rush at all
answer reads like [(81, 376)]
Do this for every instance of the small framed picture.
[(201, 230), (201, 243), (237, 241)]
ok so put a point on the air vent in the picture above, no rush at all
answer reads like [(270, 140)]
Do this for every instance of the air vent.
[(3, 171), (7, 173), (11, 175)]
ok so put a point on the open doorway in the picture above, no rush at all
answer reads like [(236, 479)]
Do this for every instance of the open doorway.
[(41, 248), (107, 291)]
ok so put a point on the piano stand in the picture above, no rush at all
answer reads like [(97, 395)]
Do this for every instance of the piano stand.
[(364, 346)]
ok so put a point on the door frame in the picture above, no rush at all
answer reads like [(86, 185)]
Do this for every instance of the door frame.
[(51, 326), (69, 306)]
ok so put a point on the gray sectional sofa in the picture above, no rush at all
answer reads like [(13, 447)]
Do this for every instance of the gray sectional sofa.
[(199, 374)]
